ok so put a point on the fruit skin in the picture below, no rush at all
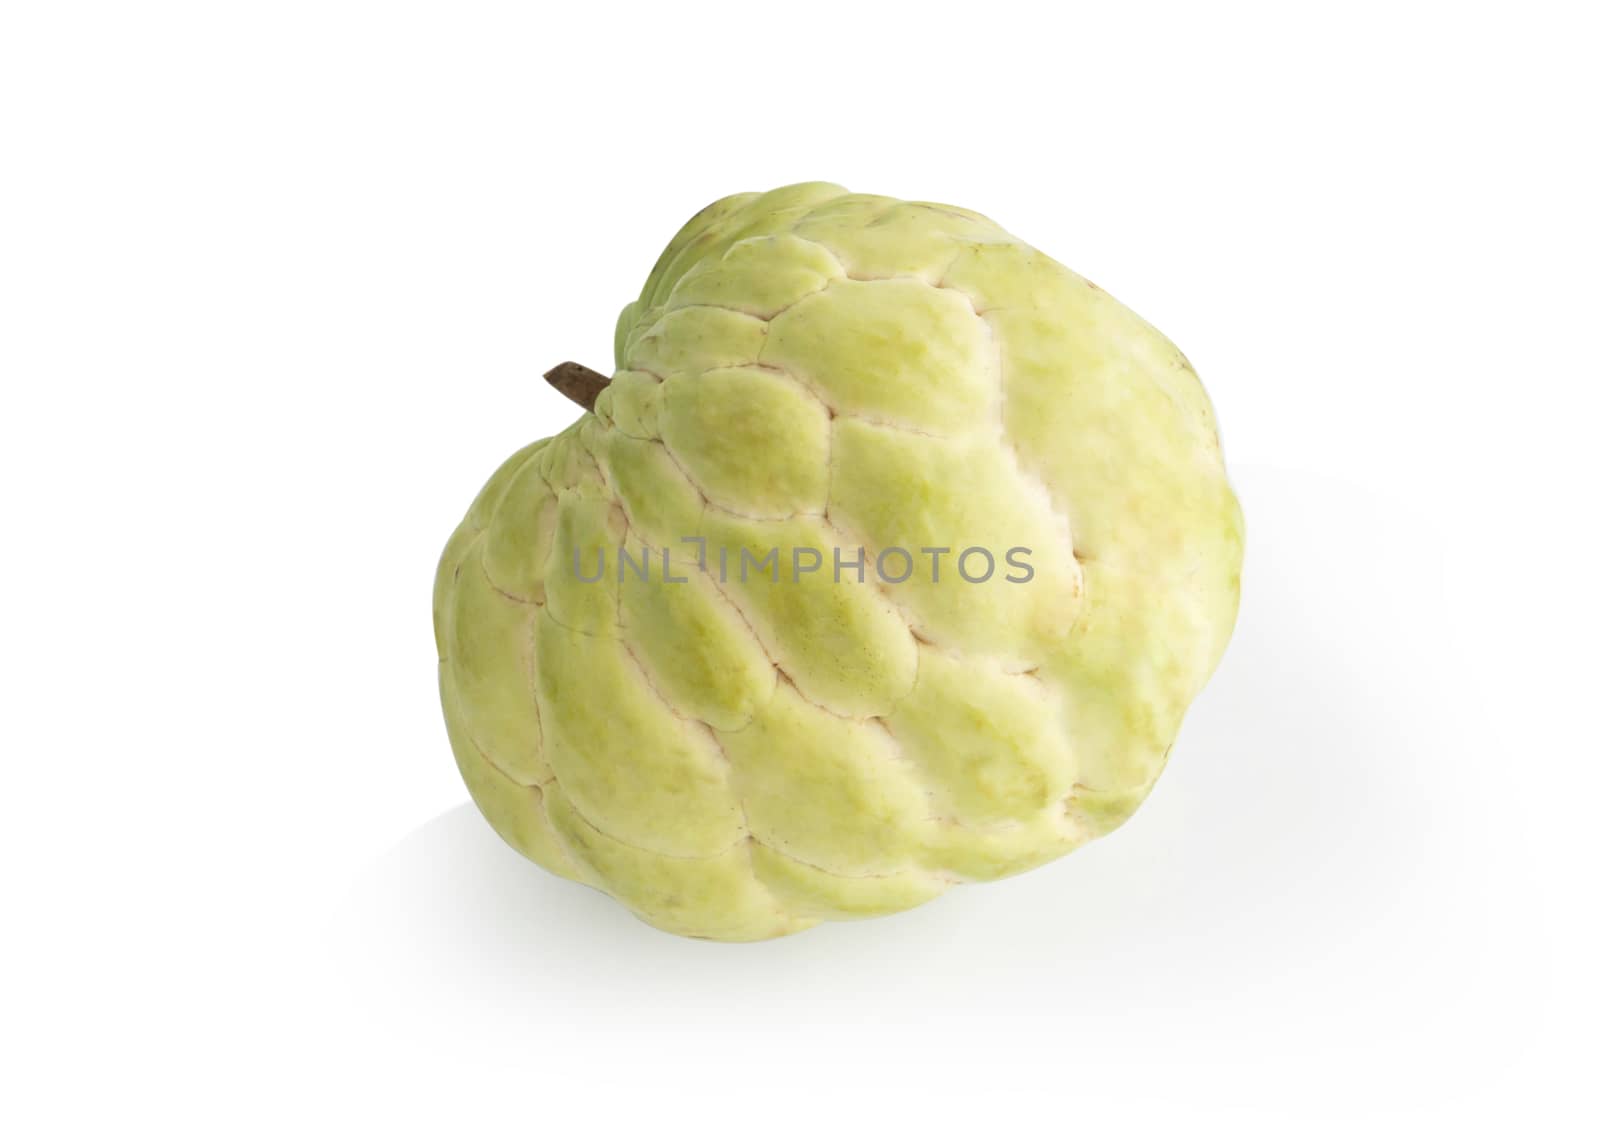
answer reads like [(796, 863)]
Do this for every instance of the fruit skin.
[(814, 368)]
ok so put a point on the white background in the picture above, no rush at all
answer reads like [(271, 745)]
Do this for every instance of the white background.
[(277, 282)]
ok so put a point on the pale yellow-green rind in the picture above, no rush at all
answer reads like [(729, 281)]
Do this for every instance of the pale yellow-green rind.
[(741, 758)]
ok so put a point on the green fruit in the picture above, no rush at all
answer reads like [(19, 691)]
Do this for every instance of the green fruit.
[(741, 756)]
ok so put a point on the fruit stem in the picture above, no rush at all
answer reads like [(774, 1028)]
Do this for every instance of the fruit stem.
[(578, 383)]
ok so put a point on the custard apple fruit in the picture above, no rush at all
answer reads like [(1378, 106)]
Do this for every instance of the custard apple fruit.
[(725, 648)]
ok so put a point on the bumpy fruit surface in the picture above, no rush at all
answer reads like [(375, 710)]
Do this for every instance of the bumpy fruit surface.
[(813, 369)]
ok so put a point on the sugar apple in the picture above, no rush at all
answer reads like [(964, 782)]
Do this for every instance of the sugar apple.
[(729, 648)]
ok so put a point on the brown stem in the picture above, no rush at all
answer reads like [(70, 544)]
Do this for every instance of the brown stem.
[(578, 383)]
